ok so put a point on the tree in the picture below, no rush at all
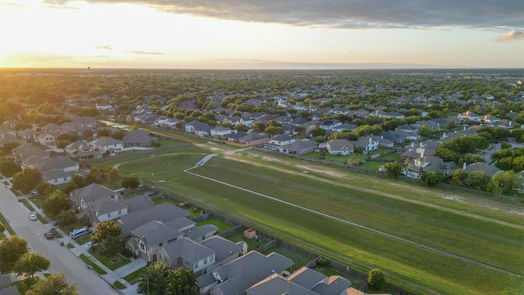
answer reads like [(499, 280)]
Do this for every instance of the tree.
[(426, 131), (259, 126), (520, 118), (11, 249), (274, 130), (153, 280), (27, 180), (111, 173), (181, 282), (317, 131), (131, 181), (56, 203), (53, 285), (432, 178), (45, 188), (376, 279), (95, 175), (111, 246), (78, 180), (504, 182), (393, 169), (31, 263), (8, 166), (66, 217), (106, 229)]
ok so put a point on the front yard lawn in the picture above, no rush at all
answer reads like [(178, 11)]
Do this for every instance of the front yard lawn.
[(112, 262), (95, 266), (222, 226), (252, 244), (133, 277), (83, 240), (119, 285)]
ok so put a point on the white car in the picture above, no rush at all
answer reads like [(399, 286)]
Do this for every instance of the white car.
[(88, 245), (33, 217)]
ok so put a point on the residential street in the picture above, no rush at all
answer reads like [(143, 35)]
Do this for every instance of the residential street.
[(62, 260)]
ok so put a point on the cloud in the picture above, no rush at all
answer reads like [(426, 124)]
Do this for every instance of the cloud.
[(104, 47), (350, 13), (512, 35), (144, 52)]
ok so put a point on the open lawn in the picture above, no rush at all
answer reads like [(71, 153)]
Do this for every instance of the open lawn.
[(168, 142), (112, 262), (391, 156), (133, 277), (252, 244), (419, 270), (83, 240), (221, 225), (92, 264), (371, 165)]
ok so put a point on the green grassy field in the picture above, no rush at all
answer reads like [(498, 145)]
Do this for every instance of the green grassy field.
[(419, 270)]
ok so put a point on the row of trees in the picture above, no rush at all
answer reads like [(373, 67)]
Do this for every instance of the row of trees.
[(15, 257), (159, 279)]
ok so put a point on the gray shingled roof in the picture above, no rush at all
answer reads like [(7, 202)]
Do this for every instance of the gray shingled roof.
[(188, 250), (91, 193), (332, 285), (241, 273), (138, 203), (163, 212), (59, 162), (155, 232), (277, 285), (340, 144), (196, 233), (481, 166), (306, 277), (223, 247), (107, 205)]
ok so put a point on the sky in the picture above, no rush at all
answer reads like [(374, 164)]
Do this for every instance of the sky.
[(262, 34)]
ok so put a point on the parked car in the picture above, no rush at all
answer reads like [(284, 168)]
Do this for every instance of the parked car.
[(49, 235), (80, 232), (33, 217), (34, 192), (89, 245)]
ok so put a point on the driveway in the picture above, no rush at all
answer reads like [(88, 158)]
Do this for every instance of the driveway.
[(62, 260)]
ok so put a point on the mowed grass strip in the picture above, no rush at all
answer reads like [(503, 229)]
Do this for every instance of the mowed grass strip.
[(467, 202), (483, 241), (419, 270)]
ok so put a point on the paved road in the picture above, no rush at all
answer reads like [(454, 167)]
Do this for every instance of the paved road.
[(356, 224), (62, 260)]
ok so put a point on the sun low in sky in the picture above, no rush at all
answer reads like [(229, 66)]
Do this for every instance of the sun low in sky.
[(268, 34)]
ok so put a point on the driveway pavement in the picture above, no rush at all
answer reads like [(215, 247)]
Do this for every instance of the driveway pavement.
[(62, 260)]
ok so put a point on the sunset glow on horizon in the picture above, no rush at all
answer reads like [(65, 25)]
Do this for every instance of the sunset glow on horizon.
[(37, 33)]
